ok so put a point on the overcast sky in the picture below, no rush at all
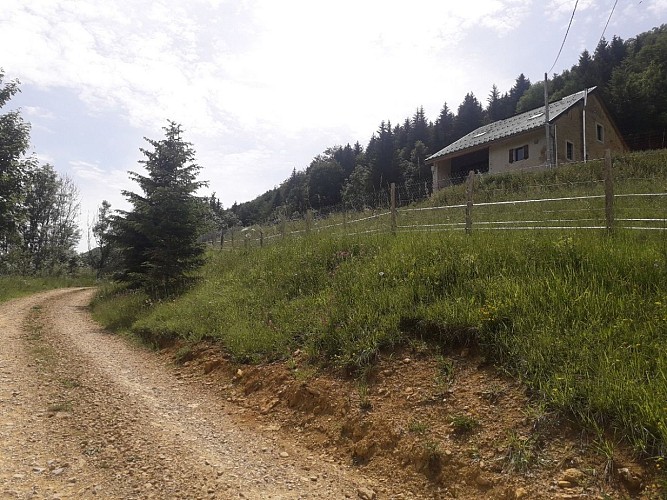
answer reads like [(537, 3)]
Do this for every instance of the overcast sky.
[(262, 86)]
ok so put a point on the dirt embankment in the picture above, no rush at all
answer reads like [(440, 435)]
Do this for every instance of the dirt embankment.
[(84, 414)]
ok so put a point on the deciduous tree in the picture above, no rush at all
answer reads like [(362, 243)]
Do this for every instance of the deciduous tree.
[(325, 181), (14, 141), (103, 257), (49, 232)]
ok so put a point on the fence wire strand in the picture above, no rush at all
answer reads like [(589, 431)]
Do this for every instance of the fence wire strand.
[(371, 213)]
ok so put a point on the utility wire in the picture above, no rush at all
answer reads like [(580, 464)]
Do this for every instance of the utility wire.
[(609, 19), (565, 38)]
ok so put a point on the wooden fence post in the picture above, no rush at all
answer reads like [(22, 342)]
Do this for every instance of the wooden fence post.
[(309, 220), (232, 237), (222, 239), (393, 208), (469, 190), (283, 226), (261, 238), (608, 191)]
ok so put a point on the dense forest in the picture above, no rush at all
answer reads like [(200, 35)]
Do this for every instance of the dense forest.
[(632, 80)]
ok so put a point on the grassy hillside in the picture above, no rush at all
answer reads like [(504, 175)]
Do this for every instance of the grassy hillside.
[(580, 316)]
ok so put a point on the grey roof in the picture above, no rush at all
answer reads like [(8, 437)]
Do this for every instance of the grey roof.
[(516, 124)]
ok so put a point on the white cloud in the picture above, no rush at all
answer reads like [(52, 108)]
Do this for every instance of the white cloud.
[(658, 8), (37, 112), (104, 178), (262, 86), (564, 8), (256, 62)]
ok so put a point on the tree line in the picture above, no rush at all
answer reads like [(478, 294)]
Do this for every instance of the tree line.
[(151, 247), (632, 79), (38, 207)]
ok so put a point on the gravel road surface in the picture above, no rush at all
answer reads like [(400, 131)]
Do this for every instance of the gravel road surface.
[(85, 414)]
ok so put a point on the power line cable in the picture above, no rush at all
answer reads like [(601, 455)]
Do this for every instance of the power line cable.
[(608, 19), (565, 38)]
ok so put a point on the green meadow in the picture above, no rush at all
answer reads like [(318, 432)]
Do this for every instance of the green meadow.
[(578, 315)]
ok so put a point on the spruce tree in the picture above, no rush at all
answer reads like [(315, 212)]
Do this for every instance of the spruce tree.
[(158, 237), (419, 129), (469, 117), (443, 130), (521, 85), (494, 108)]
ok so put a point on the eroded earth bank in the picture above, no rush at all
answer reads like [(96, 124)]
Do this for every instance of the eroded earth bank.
[(86, 414)]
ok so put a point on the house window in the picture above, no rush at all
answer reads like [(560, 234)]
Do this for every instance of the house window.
[(518, 154), (599, 132), (569, 150)]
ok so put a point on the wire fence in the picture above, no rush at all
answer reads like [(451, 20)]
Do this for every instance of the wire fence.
[(485, 203)]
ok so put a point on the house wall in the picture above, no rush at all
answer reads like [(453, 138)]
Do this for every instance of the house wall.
[(454, 170), (442, 170), (499, 158), (499, 152), (569, 128)]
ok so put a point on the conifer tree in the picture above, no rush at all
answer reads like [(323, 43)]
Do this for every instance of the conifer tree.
[(521, 85), (419, 128), (469, 117), (494, 108), (382, 157), (443, 130), (158, 237)]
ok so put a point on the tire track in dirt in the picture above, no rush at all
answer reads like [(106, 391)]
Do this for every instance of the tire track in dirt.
[(84, 414)]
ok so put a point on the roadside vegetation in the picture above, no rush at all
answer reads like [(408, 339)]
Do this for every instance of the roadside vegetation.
[(579, 316), (12, 287), (38, 206), (38, 211)]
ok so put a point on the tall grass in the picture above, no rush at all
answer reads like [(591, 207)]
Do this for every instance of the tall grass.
[(582, 319), (18, 286), (117, 307), (579, 316)]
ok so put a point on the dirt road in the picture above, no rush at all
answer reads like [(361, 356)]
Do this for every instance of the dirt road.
[(84, 414)]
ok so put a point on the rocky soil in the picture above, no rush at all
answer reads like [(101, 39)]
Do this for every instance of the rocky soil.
[(86, 414)]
